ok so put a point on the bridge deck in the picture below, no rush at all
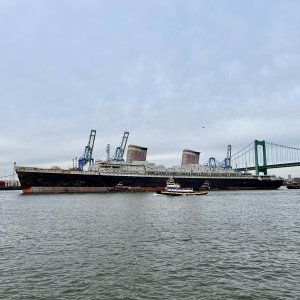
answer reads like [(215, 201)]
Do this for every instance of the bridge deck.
[(276, 166)]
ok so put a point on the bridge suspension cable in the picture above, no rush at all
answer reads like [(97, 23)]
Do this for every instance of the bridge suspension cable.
[(261, 155), (244, 157), (282, 154)]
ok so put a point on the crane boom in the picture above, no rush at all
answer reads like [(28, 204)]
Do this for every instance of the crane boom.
[(118, 156), (88, 151)]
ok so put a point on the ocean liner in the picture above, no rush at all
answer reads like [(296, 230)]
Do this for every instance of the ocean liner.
[(137, 174)]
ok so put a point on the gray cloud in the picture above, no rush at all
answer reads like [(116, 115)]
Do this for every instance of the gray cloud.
[(160, 69)]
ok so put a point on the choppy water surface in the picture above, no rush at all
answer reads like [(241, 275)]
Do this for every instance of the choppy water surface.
[(226, 245)]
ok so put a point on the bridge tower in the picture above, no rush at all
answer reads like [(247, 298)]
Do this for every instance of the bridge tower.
[(262, 168)]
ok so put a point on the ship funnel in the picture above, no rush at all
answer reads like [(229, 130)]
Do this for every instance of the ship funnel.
[(136, 153), (190, 157)]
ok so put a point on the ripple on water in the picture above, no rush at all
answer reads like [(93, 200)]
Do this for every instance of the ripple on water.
[(228, 245)]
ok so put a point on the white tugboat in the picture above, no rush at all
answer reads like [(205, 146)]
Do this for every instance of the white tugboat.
[(174, 189)]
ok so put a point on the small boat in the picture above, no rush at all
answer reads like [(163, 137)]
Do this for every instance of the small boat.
[(174, 189), (293, 185), (205, 186)]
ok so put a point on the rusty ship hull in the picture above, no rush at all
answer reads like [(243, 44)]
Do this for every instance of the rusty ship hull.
[(34, 180)]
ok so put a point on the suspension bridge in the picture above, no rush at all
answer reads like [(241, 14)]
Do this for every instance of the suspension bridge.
[(261, 156)]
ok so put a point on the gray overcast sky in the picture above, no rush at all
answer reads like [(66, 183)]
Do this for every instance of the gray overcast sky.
[(160, 69)]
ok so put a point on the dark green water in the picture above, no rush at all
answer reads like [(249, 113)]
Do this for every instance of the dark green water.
[(226, 245)]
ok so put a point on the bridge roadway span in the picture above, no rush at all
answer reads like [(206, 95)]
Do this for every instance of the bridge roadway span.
[(275, 166)]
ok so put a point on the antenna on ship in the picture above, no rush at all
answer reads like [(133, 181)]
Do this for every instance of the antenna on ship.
[(87, 155), (118, 156)]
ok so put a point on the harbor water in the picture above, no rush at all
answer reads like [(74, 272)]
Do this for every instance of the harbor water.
[(225, 245)]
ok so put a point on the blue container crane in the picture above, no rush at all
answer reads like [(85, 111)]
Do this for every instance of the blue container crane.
[(87, 155), (226, 163), (118, 156)]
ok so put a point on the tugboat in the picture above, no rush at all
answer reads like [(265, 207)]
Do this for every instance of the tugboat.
[(174, 189), (293, 185)]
